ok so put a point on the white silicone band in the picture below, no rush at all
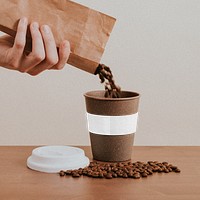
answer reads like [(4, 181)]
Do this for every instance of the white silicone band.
[(112, 125)]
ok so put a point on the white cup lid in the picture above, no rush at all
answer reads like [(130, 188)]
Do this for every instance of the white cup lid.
[(52, 159)]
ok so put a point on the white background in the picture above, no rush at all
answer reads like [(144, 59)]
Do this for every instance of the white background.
[(154, 49)]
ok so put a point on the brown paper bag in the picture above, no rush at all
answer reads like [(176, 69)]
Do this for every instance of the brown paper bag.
[(87, 30)]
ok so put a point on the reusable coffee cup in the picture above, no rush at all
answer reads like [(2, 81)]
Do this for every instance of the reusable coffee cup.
[(112, 124)]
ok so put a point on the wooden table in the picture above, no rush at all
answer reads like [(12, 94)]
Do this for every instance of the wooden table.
[(19, 182)]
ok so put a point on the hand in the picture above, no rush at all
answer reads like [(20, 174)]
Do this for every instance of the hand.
[(44, 53)]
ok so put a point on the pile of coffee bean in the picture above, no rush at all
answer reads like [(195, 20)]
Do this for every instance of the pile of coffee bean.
[(106, 77), (133, 170)]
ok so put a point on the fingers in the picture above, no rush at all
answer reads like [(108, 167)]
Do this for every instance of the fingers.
[(19, 43), (20, 38), (44, 53), (38, 51), (64, 52), (51, 54), (50, 46)]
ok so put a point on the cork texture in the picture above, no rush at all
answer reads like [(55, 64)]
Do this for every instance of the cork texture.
[(97, 104), (112, 148)]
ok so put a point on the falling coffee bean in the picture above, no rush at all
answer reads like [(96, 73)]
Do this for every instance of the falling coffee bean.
[(106, 77)]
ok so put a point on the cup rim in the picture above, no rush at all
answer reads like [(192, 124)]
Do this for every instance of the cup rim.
[(90, 94)]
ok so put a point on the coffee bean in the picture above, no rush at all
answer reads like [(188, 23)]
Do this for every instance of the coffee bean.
[(166, 171), (122, 169), (62, 173), (114, 175), (173, 167), (113, 165), (160, 170), (144, 174), (150, 171), (165, 163), (85, 172), (118, 171), (114, 169), (177, 170), (106, 77), (101, 78), (80, 171), (92, 164), (101, 175), (109, 169), (104, 173), (150, 163), (75, 175), (95, 174), (120, 175), (125, 175), (126, 170), (120, 165), (170, 169), (136, 176), (160, 164), (68, 172), (89, 174), (131, 175), (109, 176), (155, 169)]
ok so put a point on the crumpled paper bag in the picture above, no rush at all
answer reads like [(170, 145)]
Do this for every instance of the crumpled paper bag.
[(87, 30)]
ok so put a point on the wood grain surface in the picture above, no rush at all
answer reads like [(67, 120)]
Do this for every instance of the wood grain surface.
[(19, 182)]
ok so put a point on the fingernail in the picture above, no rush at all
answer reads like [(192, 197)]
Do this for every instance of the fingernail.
[(46, 29), (23, 20), (65, 44), (35, 25)]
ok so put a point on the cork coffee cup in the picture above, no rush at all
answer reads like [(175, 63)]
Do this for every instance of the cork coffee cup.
[(112, 124)]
